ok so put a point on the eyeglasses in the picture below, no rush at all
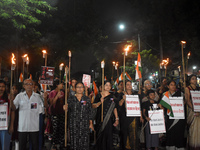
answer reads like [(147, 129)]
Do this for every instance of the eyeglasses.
[(147, 84), (28, 83)]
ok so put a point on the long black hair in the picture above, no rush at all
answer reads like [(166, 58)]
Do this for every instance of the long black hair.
[(5, 95)]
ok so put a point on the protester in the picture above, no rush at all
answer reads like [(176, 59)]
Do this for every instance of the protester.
[(72, 88), (105, 129), (5, 134), (80, 119), (128, 125), (175, 128), (193, 118), (28, 103), (57, 100), (15, 140), (163, 88), (152, 140)]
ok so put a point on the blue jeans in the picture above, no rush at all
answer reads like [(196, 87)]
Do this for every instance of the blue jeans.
[(5, 138)]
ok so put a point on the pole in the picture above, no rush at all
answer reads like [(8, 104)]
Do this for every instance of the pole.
[(124, 73), (27, 71), (183, 67), (60, 77), (165, 71), (45, 86), (23, 71), (186, 65), (66, 110), (102, 92), (69, 68), (139, 42)]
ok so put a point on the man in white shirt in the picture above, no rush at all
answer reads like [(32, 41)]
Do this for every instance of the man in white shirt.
[(28, 103)]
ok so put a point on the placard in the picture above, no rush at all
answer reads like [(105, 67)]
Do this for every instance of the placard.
[(47, 75), (195, 100), (86, 80), (157, 122), (4, 116), (177, 107), (132, 106)]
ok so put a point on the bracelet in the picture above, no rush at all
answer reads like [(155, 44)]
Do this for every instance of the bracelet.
[(116, 119)]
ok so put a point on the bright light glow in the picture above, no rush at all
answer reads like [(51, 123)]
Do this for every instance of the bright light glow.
[(113, 63), (61, 66), (102, 64), (127, 48), (150, 77), (27, 60), (121, 27), (69, 54), (25, 55), (183, 42), (44, 51), (194, 67), (13, 59)]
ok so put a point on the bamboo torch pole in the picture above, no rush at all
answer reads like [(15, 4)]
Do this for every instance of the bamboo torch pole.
[(65, 104), (102, 67)]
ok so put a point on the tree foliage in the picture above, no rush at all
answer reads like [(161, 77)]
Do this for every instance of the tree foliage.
[(23, 12)]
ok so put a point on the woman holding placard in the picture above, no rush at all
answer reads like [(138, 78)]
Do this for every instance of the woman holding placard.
[(175, 128), (193, 118), (128, 125)]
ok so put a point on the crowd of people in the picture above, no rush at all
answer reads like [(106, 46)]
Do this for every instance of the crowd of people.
[(95, 121)]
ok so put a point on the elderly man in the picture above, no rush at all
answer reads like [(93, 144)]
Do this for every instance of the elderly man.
[(28, 103)]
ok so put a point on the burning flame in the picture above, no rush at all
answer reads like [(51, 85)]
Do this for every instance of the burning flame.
[(25, 55), (127, 48), (69, 54), (44, 51), (189, 54), (61, 65), (13, 59), (183, 42)]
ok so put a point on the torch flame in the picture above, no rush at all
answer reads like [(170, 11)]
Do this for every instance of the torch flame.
[(189, 54), (25, 55), (13, 59), (44, 51), (183, 42), (127, 48), (61, 65)]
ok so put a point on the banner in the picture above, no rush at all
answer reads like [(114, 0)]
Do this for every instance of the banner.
[(132, 106), (177, 107), (47, 75), (157, 122), (195, 100), (86, 80), (4, 116)]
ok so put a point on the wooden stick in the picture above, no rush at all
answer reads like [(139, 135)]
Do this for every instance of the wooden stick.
[(124, 73), (102, 92), (66, 110)]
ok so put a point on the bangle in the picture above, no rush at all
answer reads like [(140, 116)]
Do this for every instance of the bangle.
[(116, 119)]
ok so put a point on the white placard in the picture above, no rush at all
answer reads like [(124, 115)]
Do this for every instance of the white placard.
[(177, 107), (86, 80), (195, 100), (157, 122), (132, 106), (4, 116)]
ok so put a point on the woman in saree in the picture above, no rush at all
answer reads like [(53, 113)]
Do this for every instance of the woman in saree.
[(128, 125), (110, 118), (193, 118), (175, 128)]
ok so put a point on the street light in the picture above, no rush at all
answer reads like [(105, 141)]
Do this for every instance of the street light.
[(194, 67), (121, 26)]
